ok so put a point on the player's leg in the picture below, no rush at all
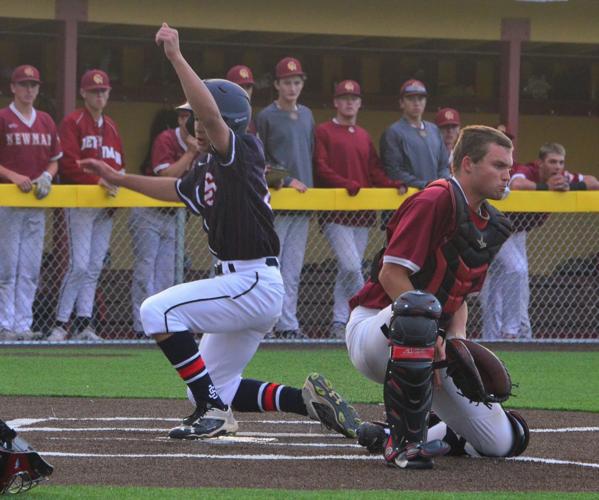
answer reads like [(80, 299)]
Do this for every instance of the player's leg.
[(524, 329), (145, 237), (243, 301), (11, 220), (295, 228), (79, 227), (491, 299), (487, 430), (164, 270), (348, 244), (102, 227), (28, 272)]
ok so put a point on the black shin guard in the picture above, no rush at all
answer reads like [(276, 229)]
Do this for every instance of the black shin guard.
[(408, 386)]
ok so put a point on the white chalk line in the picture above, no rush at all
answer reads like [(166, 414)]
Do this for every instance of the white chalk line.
[(29, 421), (554, 461), (568, 429)]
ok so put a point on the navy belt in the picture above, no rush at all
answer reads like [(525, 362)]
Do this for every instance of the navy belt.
[(218, 268)]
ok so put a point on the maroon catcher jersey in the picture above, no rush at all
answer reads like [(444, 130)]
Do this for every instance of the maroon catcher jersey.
[(417, 229), (27, 146), (83, 137)]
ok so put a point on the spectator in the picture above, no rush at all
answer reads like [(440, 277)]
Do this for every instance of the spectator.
[(86, 133), (506, 294), (29, 150), (448, 121), (287, 131), (170, 154), (344, 157), (412, 150), (243, 76)]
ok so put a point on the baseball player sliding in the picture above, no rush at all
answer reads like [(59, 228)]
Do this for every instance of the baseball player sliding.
[(440, 240), (237, 307)]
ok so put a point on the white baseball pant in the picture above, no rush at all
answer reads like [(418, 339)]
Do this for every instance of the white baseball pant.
[(153, 234), (234, 311), (293, 235), (505, 296), (88, 232), (488, 430), (21, 248), (349, 244)]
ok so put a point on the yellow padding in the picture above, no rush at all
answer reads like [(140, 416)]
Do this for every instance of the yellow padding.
[(290, 199)]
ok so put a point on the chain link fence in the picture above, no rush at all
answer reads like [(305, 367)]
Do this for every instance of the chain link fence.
[(153, 248)]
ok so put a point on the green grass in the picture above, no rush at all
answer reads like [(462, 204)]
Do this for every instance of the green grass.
[(547, 380), (92, 492)]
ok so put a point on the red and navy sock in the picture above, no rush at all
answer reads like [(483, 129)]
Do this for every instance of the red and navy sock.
[(255, 395), (182, 351)]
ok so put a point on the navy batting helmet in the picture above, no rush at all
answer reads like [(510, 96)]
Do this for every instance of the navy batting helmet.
[(233, 103)]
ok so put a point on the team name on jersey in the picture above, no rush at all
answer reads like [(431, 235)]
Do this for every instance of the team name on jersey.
[(28, 139), (95, 142)]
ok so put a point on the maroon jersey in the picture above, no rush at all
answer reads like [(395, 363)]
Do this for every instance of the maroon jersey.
[(417, 230), (525, 221), (345, 157), (27, 146), (168, 147), (83, 137)]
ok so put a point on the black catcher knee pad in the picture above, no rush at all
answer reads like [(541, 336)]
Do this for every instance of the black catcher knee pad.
[(408, 379), (521, 433)]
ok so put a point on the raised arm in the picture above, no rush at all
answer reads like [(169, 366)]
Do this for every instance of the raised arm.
[(197, 94)]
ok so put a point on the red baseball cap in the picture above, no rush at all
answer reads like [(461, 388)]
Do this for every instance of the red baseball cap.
[(412, 87), (241, 75), (447, 116), (289, 66), (348, 87), (25, 73), (95, 79)]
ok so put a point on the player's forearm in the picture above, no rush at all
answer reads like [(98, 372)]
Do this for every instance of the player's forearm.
[(161, 188), (177, 168), (5, 173), (52, 168), (522, 184), (197, 94)]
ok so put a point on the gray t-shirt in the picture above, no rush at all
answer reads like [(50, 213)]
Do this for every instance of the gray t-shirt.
[(288, 138), (415, 156)]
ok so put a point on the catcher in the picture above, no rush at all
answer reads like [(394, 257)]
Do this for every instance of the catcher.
[(408, 323), (21, 468)]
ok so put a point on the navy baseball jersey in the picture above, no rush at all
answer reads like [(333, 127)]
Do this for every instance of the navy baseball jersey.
[(232, 196)]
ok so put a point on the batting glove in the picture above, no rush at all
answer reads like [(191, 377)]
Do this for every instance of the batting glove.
[(42, 185)]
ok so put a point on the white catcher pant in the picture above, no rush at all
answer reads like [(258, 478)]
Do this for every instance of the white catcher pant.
[(21, 247), (293, 235), (505, 295), (234, 311), (488, 430), (349, 244), (89, 237), (153, 235)]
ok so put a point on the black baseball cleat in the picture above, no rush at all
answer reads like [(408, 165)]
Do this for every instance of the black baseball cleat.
[(206, 422), (324, 404), (414, 455), (373, 436)]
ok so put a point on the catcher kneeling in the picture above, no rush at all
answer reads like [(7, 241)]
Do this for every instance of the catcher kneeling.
[(407, 328)]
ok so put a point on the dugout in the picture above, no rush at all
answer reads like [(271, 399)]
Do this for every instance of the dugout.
[(532, 65)]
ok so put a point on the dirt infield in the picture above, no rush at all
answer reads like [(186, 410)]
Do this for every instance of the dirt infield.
[(122, 442)]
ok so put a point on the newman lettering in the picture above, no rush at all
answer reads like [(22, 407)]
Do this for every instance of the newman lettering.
[(28, 139)]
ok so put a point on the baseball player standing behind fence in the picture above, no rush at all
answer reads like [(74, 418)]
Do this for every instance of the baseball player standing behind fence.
[(86, 133), (241, 304), (153, 230), (287, 130), (29, 149)]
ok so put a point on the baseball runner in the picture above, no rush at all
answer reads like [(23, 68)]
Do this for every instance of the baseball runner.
[(172, 151), (505, 297), (29, 150), (344, 157), (86, 133), (287, 130), (439, 245), (237, 307)]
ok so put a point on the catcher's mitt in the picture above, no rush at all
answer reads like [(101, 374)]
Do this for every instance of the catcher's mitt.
[(477, 372)]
